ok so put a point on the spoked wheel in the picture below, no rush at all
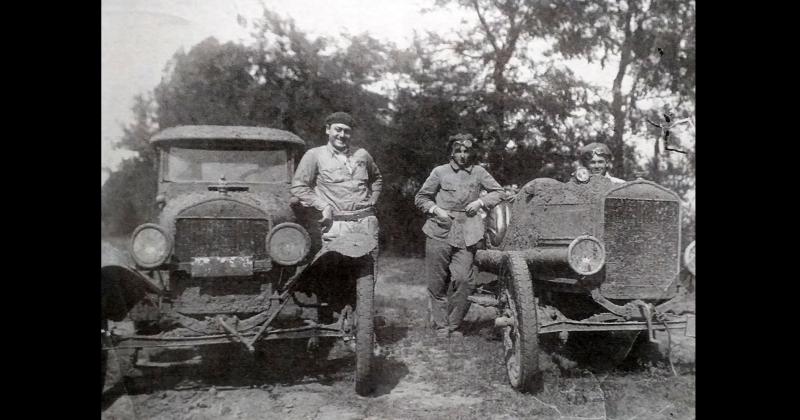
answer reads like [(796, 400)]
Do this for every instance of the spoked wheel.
[(365, 333), (520, 338)]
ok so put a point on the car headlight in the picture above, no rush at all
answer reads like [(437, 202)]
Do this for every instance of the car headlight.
[(582, 174), (586, 255), (688, 257), (150, 245), (288, 243)]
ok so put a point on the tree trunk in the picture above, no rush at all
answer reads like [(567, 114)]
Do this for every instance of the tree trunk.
[(502, 55), (655, 170), (617, 111), (498, 109)]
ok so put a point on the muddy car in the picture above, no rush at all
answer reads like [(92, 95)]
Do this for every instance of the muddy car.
[(233, 259), (585, 255)]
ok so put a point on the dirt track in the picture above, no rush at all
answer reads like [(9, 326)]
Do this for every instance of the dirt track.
[(594, 376)]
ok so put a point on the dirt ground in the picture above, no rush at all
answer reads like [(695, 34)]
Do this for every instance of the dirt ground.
[(593, 376)]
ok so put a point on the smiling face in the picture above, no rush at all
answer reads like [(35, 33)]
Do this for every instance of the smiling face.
[(598, 165), (339, 136)]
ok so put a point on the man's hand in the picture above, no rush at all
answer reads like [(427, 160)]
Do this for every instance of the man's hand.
[(473, 207), (440, 213), (327, 218)]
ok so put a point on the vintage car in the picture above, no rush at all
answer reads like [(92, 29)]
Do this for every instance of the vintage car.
[(584, 255), (232, 258)]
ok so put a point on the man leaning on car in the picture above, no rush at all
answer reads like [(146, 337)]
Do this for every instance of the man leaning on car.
[(341, 181)]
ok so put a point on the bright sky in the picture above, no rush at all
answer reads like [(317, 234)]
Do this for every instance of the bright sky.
[(140, 36)]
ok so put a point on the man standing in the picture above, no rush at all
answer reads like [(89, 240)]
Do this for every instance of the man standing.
[(343, 183), (597, 158), (450, 199)]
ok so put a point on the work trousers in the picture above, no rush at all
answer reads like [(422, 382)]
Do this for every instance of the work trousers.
[(450, 277)]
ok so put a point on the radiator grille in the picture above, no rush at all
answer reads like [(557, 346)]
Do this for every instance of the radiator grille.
[(220, 237), (642, 239)]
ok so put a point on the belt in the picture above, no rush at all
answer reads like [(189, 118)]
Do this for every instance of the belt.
[(352, 216), (453, 213)]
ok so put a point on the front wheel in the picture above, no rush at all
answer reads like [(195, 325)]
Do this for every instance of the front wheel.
[(103, 355), (365, 333), (520, 338)]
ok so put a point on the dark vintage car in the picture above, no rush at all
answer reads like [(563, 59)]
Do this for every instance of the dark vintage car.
[(584, 255), (232, 258)]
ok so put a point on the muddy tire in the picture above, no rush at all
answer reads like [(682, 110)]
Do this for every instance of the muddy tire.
[(103, 356), (365, 333), (521, 339)]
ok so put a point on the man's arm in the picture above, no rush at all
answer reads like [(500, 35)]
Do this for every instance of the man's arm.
[(305, 178), (494, 190), (425, 198), (375, 179)]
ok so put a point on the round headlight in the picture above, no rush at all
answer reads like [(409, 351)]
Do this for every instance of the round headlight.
[(582, 174), (586, 255), (688, 257), (150, 245), (288, 243)]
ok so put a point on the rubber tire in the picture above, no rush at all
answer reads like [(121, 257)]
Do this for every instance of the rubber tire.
[(103, 358), (520, 288), (365, 333)]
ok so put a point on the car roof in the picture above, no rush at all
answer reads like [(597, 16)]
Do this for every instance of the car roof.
[(225, 133)]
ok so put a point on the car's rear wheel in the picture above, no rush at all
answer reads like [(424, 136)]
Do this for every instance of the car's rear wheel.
[(520, 338), (365, 333)]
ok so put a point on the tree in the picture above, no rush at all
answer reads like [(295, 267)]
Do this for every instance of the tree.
[(300, 80), (653, 42), (211, 84), (500, 76), (127, 197), (502, 26), (499, 91), (282, 80)]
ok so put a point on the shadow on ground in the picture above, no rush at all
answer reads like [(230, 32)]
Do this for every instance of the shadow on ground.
[(283, 363), (388, 373), (604, 352), (280, 363), (391, 333)]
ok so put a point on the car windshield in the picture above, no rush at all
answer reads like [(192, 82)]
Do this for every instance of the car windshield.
[(246, 165)]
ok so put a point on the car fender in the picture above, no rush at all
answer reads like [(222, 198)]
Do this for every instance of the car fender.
[(353, 245), (121, 284)]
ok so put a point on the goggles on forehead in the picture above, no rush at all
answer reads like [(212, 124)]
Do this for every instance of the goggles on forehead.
[(464, 143)]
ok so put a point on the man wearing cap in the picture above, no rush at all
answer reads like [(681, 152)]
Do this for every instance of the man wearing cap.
[(597, 158), (451, 200), (340, 181)]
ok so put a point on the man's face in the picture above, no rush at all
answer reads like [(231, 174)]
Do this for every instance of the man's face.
[(461, 155), (339, 135), (598, 165)]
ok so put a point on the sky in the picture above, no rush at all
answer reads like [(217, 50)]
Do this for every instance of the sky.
[(138, 37)]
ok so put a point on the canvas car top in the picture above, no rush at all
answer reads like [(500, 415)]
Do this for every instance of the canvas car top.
[(224, 132)]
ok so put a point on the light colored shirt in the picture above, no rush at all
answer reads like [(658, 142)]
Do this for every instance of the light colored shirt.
[(346, 181)]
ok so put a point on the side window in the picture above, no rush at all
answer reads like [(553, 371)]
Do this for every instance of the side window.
[(177, 166)]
